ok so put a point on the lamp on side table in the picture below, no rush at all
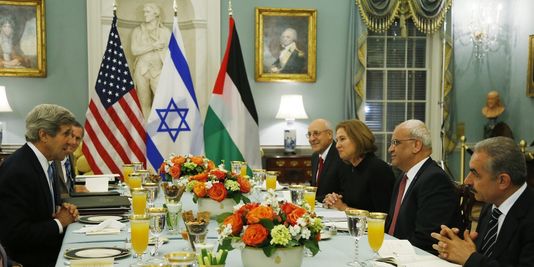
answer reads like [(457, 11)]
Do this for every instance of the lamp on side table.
[(291, 108)]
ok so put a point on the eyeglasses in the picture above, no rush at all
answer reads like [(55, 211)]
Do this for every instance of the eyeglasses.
[(315, 133), (396, 142)]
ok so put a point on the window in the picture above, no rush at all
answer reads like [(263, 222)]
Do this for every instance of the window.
[(397, 78)]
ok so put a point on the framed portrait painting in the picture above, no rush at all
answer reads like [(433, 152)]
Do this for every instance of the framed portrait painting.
[(22, 38), (285, 44), (530, 69)]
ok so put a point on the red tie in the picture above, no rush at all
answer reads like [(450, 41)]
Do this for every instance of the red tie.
[(319, 170), (398, 203)]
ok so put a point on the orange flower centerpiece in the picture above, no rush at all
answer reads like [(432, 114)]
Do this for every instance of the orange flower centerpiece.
[(271, 230), (177, 167)]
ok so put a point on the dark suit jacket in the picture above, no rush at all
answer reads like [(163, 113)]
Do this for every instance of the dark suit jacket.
[(333, 170), (369, 185), (296, 63), (515, 243), (27, 229), (430, 201), (60, 180)]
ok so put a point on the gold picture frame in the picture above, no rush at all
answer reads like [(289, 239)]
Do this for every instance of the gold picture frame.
[(530, 74), (279, 57), (22, 38)]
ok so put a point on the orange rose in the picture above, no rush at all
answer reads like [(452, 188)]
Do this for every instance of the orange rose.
[(200, 189), (244, 184), (219, 174), (197, 160), (295, 215), (287, 207), (179, 160), (246, 208), (211, 165), (175, 171), (162, 167), (202, 177), (217, 192), (258, 213), (255, 235), (236, 222)]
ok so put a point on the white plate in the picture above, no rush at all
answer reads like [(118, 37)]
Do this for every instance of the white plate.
[(96, 252), (96, 219)]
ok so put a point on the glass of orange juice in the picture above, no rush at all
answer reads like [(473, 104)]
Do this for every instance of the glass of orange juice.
[(126, 170), (375, 231), (140, 225), (135, 180), (309, 196), (270, 180), (139, 196)]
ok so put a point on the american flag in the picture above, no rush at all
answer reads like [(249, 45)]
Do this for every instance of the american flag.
[(114, 129)]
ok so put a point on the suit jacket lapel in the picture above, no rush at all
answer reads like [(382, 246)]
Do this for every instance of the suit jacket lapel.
[(482, 227), (510, 224), (42, 179), (409, 190)]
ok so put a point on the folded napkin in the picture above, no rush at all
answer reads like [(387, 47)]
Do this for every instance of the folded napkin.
[(109, 226), (103, 262)]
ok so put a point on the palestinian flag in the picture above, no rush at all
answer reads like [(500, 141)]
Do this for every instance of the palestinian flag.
[(231, 129)]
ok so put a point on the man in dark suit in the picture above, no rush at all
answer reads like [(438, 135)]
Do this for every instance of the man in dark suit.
[(32, 221), (65, 171), (327, 178), (505, 233), (425, 197)]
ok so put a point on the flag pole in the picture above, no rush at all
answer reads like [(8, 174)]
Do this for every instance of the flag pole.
[(114, 8), (230, 11), (175, 8)]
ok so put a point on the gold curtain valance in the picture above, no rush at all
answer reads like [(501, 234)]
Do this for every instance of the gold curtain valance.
[(427, 15)]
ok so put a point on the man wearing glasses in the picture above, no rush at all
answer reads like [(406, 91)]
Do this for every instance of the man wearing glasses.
[(327, 167), (425, 197)]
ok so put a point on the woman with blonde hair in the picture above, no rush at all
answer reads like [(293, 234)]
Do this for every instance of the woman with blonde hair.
[(370, 184)]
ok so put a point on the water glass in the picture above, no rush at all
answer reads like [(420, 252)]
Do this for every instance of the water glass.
[(297, 194), (157, 224), (152, 193), (137, 166), (197, 232), (356, 220), (236, 166)]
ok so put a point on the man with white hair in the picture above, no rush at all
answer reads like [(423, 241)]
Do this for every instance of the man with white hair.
[(425, 197), (291, 59)]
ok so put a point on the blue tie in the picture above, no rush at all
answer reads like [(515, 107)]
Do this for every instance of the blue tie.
[(68, 173), (51, 185), (491, 236)]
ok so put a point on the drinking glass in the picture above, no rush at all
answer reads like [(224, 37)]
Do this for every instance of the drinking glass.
[(297, 194), (135, 180), (139, 196), (152, 193), (145, 174), (356, 220), (126, 170), (375, 231), (140, 225), (137, 166), (270, 180), (309, 196), (258, 177), (243, 168), (197, 231), (236, 166), (173, 216), (157, 224)]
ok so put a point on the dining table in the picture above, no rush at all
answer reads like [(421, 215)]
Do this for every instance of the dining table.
[(337, 249)]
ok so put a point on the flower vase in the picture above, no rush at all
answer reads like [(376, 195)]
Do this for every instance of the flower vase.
[(215, 207), (282, 257)]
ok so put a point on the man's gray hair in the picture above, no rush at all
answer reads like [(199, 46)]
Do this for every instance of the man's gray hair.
[(293, 33), (48, 117), (504, 157), (419, 131)]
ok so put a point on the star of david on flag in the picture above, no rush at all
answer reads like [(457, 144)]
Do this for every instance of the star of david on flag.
[(174, 124), (166, 117)]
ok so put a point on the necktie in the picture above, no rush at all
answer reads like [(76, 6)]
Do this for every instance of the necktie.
[(491, 236), (51, 185), (319, 170), (68, 173), (398, 203)]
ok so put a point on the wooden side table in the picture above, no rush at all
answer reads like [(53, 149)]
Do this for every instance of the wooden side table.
[(294, 169)]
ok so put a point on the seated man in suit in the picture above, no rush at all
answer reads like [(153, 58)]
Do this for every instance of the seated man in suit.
[(32, 221), (425, 197), (505, 233), (65, 169), (327, 167)]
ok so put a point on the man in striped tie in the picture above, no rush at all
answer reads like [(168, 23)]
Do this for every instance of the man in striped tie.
[(65, 170), (505, 233)]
